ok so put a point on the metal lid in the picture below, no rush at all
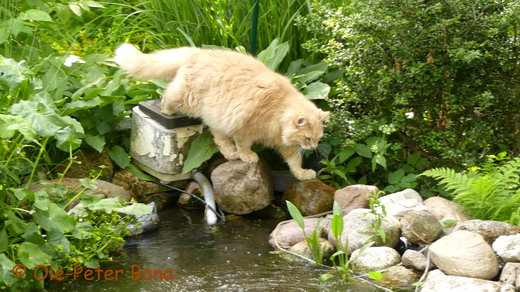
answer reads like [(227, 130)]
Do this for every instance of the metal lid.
[(152, 108)]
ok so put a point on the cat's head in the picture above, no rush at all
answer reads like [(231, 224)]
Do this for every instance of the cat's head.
[(304, 127)]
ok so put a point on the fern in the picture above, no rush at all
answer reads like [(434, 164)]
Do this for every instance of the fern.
[(490, 193)]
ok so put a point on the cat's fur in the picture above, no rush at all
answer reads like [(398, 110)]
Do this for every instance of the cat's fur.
[(239, 98)]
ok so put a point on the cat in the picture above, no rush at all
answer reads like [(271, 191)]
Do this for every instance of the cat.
[(237, 97)]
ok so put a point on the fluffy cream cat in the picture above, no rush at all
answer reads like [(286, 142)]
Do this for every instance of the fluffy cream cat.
[(239, 98)]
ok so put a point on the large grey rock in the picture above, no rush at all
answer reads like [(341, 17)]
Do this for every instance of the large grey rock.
[(354, 197), (415, 260), (445, 210), (310, 196), (489, 229), (397, 204), (357, 232), (398, 276), (511, 275), (420, 227), (508, 248), (302, 248), (375, 258), (465, 254), (290, 233), (242, 188), (440, 283)]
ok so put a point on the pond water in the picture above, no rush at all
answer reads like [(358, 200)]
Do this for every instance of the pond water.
[(232, 256)]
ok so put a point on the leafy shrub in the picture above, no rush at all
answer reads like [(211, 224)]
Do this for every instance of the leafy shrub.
[(437, 76), (491, 192)]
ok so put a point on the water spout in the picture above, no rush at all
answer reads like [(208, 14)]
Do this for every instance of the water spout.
[(207, 190)]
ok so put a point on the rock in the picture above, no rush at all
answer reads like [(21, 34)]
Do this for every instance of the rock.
[(465, 254), (187, 202), (511, 275), (86, 161), (310, 196), (435, 274), (375, 258), (302, 248), (398, 276), (242, 188), (107, 189), (489, 229), (290, 233), (354, 197), (420, 227), (415, 260), (144, 223), (462, 284), (137, 187), (508, 248), (356, 231), (445, 210), (397, 204)]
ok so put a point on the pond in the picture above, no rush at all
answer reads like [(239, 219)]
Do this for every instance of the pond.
[(232, 256)]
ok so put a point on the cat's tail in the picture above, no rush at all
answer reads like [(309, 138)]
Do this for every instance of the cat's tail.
[(158, 65)]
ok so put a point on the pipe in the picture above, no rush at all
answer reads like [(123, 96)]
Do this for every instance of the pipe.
[(207, 190)]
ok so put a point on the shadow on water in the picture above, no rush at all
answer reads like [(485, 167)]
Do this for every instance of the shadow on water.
[(232, 256)]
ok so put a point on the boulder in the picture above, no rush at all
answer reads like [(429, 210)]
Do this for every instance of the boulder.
[(415, 260), (397, 204), (137, 187), (445, 210), (374, 258), (86, 161), (420, 227), (440, 283), (242, 188), (290, 233), (508, 248), (398, 276), (302, 248), (354, 197), (465, 254), (511, 275), (357, 230), (310, 196), (490, 230)]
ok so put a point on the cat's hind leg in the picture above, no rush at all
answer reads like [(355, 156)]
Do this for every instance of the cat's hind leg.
[(225, 145), (174, 96), (244, 149), (293, 157)]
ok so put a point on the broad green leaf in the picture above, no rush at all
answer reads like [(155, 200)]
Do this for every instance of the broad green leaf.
[(13, 73), (395, 176), (45, 122), (363, 150), (294, 67), (380, 159), (9, 125), (95, 141), (31, 255), (133, 169), (316, 90), (33, 234), (75, 106), (68, 139), (94, 4), (409, 178), (136, 209), (319, 67), (6, 265), (413, 158), (41, 200), (75, 8), (35, 15), (337, 221), (3, 240), (54, 78), (352, 164), (201, 149), (377, 276), (56, 238), (120, 157), (15, 225), (308, 77), (345, 154), (274, 54), (325, 277), (295, 214)]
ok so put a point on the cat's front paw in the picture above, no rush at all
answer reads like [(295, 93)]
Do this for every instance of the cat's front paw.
[(304, 174), (229, 154), (249, 157)]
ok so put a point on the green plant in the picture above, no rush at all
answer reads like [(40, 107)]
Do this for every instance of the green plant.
[(490, 192), (312, 240), (436, 76), (379, 212)]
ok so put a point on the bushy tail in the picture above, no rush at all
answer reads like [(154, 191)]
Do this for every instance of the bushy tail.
[(158, 65)]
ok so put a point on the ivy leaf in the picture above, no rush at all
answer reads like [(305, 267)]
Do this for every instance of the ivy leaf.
[(119, 155), (35, 15), (31, 255), (201, 149)]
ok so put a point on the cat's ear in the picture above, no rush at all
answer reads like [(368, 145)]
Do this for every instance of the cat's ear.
[(324, 116), (301, 121)]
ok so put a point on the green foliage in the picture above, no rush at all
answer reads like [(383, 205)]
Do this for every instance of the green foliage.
[(490, 192), (201, 149), (436, 76), (312, 240)]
